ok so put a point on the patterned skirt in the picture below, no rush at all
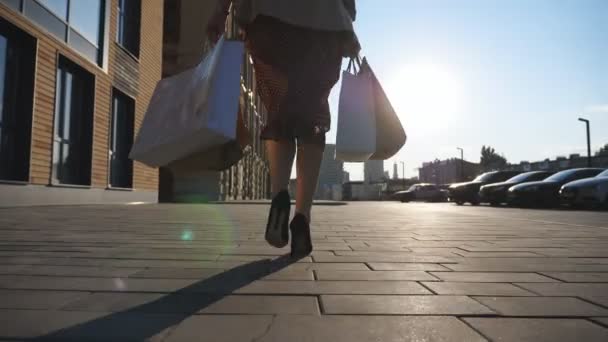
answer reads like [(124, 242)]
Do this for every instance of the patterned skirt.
[(295, 68)]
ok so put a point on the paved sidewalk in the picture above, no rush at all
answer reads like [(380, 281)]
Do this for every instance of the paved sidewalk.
[(380, 272)]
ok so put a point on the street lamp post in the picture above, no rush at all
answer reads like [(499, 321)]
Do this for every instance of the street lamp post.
[(461, 162), (588, 141)]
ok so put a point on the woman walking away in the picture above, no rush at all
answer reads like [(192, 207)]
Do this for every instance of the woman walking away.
[(297, 48)]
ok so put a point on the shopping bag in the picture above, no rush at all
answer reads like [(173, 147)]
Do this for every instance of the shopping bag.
[(194, 111), (356, 134), (217, 158), (390, 135)]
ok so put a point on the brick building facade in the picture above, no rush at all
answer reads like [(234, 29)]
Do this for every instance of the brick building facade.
[(75, 81), (184, 46)]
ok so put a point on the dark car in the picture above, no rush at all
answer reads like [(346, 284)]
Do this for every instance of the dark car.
[(422, 192), (588, 192), (546, 192), (469, 192), (496, 193)]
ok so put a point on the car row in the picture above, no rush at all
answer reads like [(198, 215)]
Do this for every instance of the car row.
[(574, 187)]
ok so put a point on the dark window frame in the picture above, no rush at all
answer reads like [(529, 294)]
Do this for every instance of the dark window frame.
[(128, 26), (114, 181), (18, 107), (79, 134)]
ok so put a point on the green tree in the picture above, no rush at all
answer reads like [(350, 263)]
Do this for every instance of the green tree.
[(603, 151), (490, 160)]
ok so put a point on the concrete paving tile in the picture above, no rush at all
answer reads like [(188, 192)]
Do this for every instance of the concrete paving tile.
[(84, 326), (600, 300), (402, 305), (333, 287), (538, 330), (324, 328), (339, 266), (579, 277), (491, 267), (492, 277), (375, 275), (383, 258), (78, 271), (195, 303), (98, 284), (601, 320), (207, 273), (567, 289), (11, 269), (45, 300), (542, 306), (476, 289), (392, 266)]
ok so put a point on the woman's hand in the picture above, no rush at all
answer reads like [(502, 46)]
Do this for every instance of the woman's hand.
[(217, 23)]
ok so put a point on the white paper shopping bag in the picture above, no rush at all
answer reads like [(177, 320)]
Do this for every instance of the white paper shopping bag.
[(194, 110), (356, 135)]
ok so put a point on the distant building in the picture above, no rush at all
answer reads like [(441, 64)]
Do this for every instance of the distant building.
[(448, 171), (346, 177), (373, 171), (330, 174), (362, 191), (387, 175), (395, 171)]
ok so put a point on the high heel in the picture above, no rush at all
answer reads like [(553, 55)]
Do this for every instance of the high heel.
[(301, 242), (277, 228)]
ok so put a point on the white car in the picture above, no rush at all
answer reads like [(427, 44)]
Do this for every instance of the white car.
[(586, 192)]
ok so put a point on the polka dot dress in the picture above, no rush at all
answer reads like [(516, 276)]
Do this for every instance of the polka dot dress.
[(296, 68)]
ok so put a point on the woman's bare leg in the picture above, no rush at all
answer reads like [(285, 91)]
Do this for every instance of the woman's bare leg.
[(280, 155), (308, 166)]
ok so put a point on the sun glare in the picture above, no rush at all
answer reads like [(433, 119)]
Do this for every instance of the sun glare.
[(426, 96)]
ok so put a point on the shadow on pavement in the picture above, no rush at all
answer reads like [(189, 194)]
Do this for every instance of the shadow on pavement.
[(169, 310)]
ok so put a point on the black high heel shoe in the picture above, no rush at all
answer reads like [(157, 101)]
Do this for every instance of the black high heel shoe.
[(301, 242), (277, 228)]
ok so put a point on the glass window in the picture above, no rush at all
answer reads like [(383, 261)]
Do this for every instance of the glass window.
[(3, 62), (58, 7), (85, 17), (73, 125), (80, 23), (15, 4), (128, 31), (17, 51), (121, 141)]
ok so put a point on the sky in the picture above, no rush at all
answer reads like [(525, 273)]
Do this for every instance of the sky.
[(512, 74)]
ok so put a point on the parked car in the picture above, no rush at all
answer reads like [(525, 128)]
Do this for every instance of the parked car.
[(588, 192), (422, 192), (469, 191), (496, 193), (546, 192)]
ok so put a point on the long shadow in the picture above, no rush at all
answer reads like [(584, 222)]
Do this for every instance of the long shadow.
[(142, 322)]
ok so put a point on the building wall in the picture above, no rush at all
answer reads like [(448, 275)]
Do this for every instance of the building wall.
[(137, 82), (448, 171), (373, 171)]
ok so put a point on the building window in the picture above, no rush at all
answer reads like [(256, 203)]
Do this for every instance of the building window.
[(15, 4), (79, 23), (129, 19), (121, 141), (17, 61), (73, 138)]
